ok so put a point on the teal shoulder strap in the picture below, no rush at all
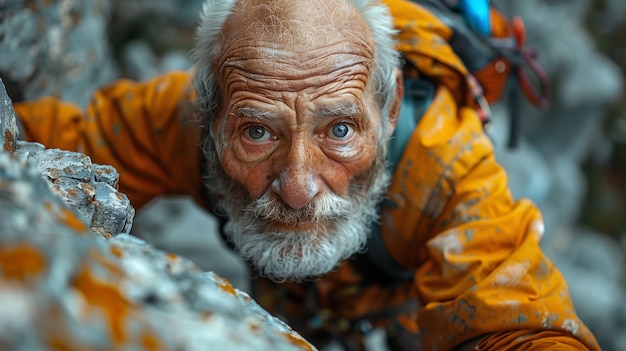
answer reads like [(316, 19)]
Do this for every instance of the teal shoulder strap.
[(418, 94), (377, 263)]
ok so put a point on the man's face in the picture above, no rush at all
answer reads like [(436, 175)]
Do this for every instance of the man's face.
[(299, 141)]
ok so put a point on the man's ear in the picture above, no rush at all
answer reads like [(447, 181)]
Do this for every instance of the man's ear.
[(394, 113)]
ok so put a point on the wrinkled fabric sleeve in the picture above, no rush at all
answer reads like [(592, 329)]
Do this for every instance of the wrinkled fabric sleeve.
[(479, 268), (144, 129), (51, 122)]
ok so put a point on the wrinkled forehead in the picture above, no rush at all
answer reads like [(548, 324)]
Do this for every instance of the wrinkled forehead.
[(295, 25)]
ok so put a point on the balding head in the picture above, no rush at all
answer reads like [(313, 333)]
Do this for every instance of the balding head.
[(298, 25)]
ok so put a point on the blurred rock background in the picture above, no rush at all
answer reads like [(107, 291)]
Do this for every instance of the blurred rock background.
[(571, 159)]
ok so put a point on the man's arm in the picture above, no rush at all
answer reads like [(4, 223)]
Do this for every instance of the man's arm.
[(480, 272), (144, 129)]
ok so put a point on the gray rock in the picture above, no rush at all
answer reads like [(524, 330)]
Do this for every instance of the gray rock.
[(142, 63), (87, 188), (106, 174), (8, 126), (56, 164), (24, 149), (111, 210), (57, 48), (63, 286), (79, 196), (178, 225)]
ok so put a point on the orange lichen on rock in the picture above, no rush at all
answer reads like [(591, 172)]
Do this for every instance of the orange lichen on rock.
[(150, 342), (21, 262), (101, 259), (225, 285), (67, 217), (58, 344), (116, 251), (71, 220), (9, 141), (108, 297), (298, 341), (103, 233)]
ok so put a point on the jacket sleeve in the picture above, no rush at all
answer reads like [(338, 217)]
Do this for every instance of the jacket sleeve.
[(144, 129), (480, 272)]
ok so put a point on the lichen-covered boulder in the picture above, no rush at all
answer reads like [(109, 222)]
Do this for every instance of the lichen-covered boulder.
[(8, 125), (89, 189), (64, 287)]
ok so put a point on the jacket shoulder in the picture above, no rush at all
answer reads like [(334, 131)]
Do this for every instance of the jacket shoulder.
[(445, 146)]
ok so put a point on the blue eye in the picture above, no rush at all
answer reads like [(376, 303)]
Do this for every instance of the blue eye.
[(257, 133), (341, 130)]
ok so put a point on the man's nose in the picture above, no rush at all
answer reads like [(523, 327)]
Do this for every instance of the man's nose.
[(298, 181)]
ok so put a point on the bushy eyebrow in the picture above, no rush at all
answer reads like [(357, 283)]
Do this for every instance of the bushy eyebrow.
[(340, 109), (252, 113), (325, 111)]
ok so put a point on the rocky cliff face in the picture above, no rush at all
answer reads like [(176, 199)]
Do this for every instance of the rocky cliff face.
[(56, 48), (70, 279)]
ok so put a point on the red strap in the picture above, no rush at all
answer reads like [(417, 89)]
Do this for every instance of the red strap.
[(538, 98)]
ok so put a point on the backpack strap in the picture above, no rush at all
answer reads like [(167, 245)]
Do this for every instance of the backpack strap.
[(377, 264), (417, 97), (489, 57)]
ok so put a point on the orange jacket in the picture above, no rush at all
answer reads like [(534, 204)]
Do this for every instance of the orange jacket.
[(478, 265), (479, 270), (145, 130)]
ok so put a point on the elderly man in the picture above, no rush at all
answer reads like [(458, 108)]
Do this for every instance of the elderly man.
[(413, 230)]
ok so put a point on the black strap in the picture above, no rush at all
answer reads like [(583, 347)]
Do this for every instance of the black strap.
[(473, 49)]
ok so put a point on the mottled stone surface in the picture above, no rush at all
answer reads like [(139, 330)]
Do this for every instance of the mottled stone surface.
[(64, 287), (56, 47), (106, 174), (56, 164), (87, 188), (8, 126)]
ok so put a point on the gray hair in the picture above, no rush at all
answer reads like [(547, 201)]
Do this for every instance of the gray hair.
[(213, 16)]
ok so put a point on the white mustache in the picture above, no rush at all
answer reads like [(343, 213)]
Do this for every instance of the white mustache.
[(324, 207)]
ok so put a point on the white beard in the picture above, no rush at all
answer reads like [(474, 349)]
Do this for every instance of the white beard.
[(342, 224), (291, 254)]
